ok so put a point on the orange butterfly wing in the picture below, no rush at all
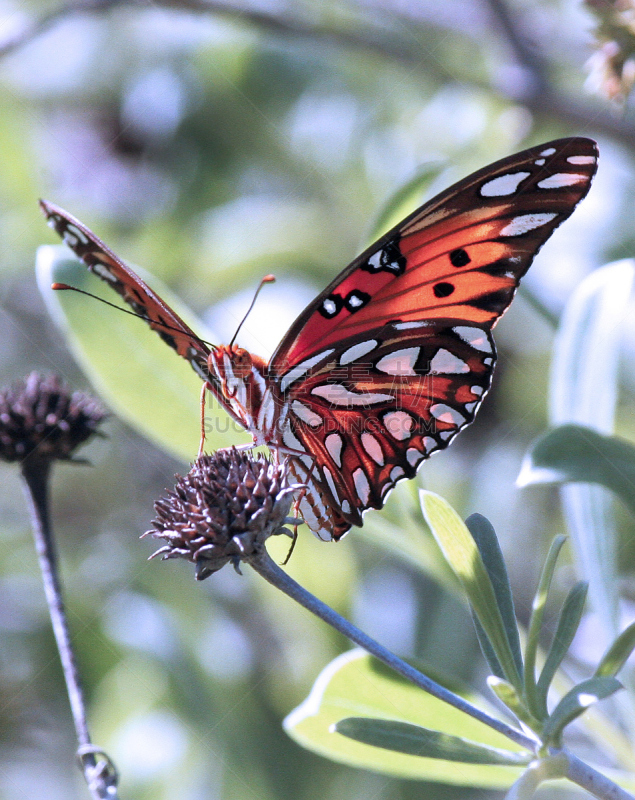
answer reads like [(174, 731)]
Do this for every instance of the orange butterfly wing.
[(396, 355)]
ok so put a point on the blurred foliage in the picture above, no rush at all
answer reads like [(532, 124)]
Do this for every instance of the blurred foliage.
[(213, 144)]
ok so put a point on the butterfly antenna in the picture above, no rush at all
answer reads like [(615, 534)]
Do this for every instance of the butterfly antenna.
[(266, 279), (58, 287)]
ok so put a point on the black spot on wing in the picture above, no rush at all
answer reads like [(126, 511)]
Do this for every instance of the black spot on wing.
[(459, 258), (443, 289), (331, 306)]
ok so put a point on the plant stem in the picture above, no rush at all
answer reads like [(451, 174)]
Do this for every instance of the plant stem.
[(100, 774), (593, 781), (271, 572), (567, 764)]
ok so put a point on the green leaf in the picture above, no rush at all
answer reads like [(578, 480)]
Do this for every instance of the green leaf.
[(403, 737), (142, 379), (404, 201), (486, 648), (576, 453), (486, 540), (617, 654), (568, 623), (576, 702), (508, 695), (460, 550), (356, 685), (535, 626)]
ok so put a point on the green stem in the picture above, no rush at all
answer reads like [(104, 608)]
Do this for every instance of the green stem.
[(100, 774), (271, 572)]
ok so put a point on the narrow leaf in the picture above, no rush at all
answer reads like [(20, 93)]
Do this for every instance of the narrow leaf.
[(576, 702), (402, 737), (617, 654), (576, 453), (568, 623), (486, 540), (460, 550), (509, 697), (486, 648), (535, 626), (356, 685)]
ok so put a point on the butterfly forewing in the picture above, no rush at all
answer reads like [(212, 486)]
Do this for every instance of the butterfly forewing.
[(137, 294), (460, 256), (395, 356)]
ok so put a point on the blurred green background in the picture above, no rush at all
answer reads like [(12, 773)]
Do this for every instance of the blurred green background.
[(213, 143)]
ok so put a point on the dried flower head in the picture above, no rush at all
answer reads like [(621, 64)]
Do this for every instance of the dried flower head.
[(223, 510), (41, 417)]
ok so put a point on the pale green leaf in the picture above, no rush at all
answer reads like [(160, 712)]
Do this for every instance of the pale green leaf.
[(461, 552), (403, 737), (356, 685)]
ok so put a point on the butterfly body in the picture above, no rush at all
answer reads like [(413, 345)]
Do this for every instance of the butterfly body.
[(395, 356)]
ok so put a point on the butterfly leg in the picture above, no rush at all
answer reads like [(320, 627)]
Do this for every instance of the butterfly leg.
[(202, 443)]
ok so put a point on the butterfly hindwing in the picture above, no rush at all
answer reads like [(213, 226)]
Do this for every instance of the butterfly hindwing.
[(370, 411)]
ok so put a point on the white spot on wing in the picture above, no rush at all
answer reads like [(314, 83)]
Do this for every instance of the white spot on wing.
[(404, 326), (539, 162), (401, 362), (362, 486), (429, 443), (548, 152), (581, 160), (503, 185), (346, 507), (331, 483), (267, 411), (357, 351), (476, 390), (334, 445), (476, 337), (396, 473), (306, 414), (561, 179), (447, 414), (445, 363), (301, 369), (399, 425), (413, 456), (339, 395), (525, 223), (469, 407), (372, 446), (103, 272), (291, 440), (75, 231)]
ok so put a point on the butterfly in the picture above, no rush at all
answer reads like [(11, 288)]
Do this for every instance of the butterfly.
[(395, 356)]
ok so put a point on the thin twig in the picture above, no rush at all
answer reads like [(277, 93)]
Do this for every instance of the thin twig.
[(271, 572), (540, 98), (576, 770), (100, 773)]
